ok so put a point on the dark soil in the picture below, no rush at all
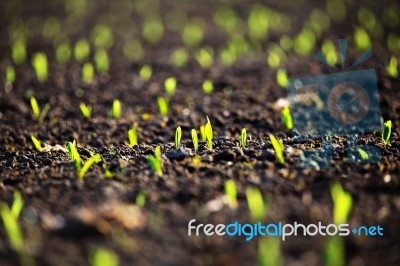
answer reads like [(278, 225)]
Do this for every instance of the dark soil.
[(64, 220)]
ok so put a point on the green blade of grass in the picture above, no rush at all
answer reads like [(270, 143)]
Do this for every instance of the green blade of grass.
[(278, 147), (92, 160)]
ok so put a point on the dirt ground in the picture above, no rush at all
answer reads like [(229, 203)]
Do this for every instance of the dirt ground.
[(64, 220)]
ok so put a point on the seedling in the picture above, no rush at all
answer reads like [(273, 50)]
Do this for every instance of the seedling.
[(10, 75), (63, 52), (203, 133), (342, 203), (193, 33), (256, 204), (363, 154), (153, 30), (243, 138), (87, 73), (10, 217), (39, 63), (269, 253), (231, 194), (103, 257), (170, 85), (86, 110), (282, 78), (179, 57), (155, 161), (195, 140), (132, 136), (18, 52), (287, 118), (102, 36), (362, 39), (115, 111), (145, 72), (205, 57), (96, 158), (208, 86), (82, 50), (391, 68), (178, 135), (334, 252), (162, 106), (37, 143), (39, 115), (387, 131), (278, 147), (102, 61), (140, 199), (74, 156), (209, 134), (133, 50)]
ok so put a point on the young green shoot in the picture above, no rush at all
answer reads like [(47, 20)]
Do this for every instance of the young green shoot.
[(342, 203), (86, 110), (269, 251), (334, 251), (391, 68), (10, 75), (178, 136), (287, 118), (162, 106), (104, 257), (76, 158), (145, 72), (39, 114), (132, 136), (205, 57), (37, 143), (256, 204), (364, 156), (39, 63), (18, 51), (140, 199), (96, 158), (102, 61), (231, 194), (115, 111), (208, 86), (203, 133), (155, 161), (278, 147), (10, 217), (170, 86), (87, 73), (387, 131), (209, 134), (243, 138), (281, 78), (82, 50), (195, 140)]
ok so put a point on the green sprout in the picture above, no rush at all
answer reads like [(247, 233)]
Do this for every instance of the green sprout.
[(76, 158), (133, 50), (205, 57), (170, 85), (391, 68), (153, 30), (63, 52), (18, 51), (282, 78), (115, 111), (387, 131), (287, 118), (132, 136), (145, 72), (37, 143), (193, 33), (195, 140), (209, 134), (39, 63), (162, 106), (103, 257), (362, 39), (86, 110), (10, 217), (243, 138), (256, 204), (334, 251), (39, 115), (102, 61), (258, 23), (82, 50), (10, 75), (179, 57), (51, 28), (304, 42), (208, 86), (87, 73), (102, 36), (336, 9), (278, 147), (231, 194), (155, 161), (329, 51), (342, 203), (178, 135), (363, 154), (140, 199), (203, 133), (269, 253)]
